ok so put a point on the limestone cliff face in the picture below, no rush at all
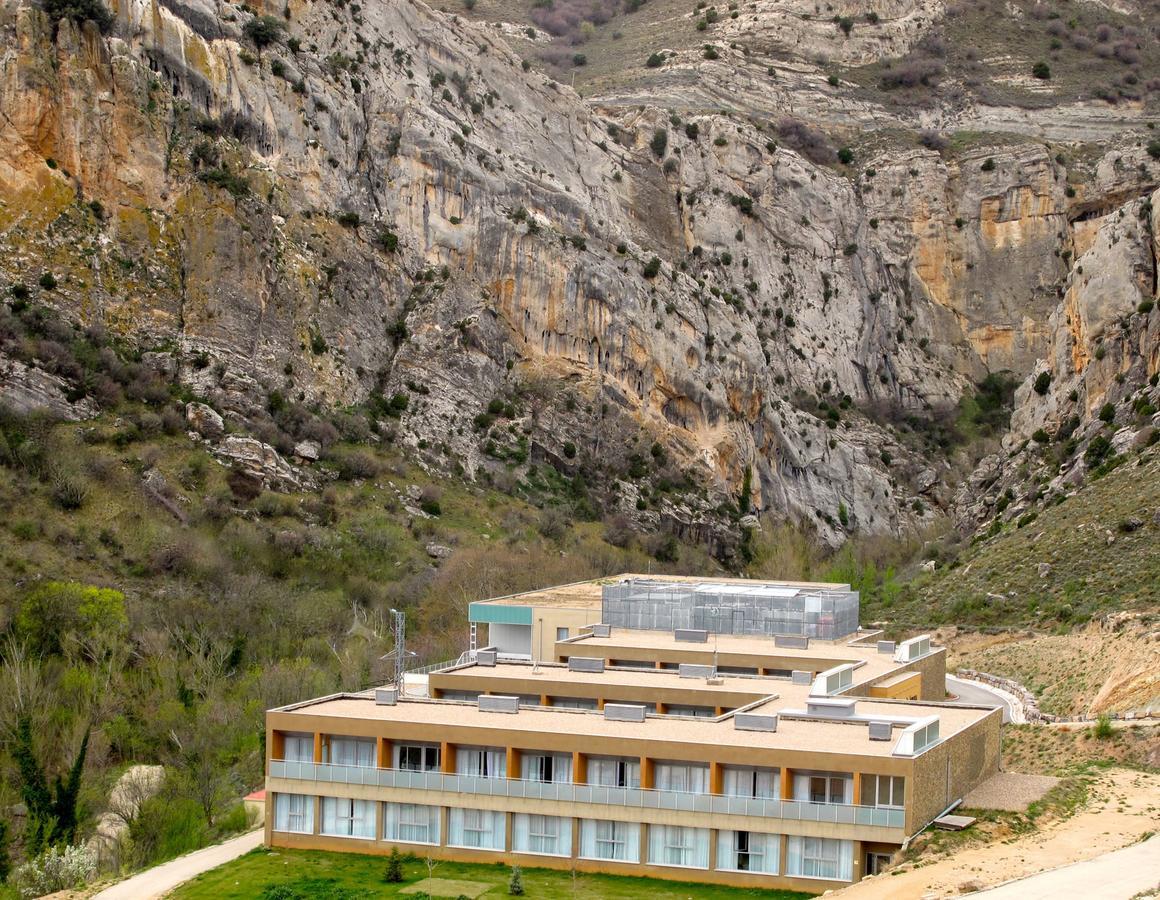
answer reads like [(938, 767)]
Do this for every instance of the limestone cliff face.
[(386, 202)]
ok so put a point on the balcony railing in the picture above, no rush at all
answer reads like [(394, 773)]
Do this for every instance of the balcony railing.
[(796, 810)]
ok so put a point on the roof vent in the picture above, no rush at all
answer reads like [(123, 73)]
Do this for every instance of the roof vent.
[(585, 664), (624, 712), (498, 703), (912, 649), (386, 696), (754, 722), (833, 681), (881, 731), (601, 630), (791, 641), (886, 646), (799, 676), (691, 635), (691, 670), (830, 707), (485, 657)]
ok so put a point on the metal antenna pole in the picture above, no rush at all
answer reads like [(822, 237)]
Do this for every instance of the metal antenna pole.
[(400, 648)]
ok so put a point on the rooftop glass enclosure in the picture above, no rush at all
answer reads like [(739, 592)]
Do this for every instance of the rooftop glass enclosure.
[(730, 608)]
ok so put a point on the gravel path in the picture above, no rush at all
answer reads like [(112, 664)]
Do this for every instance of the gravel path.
[(160, 880)]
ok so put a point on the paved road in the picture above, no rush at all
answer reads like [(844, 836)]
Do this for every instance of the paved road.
[(159, 880), (978, 695), (1118, 875)]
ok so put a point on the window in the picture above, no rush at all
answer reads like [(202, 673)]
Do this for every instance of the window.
[(823, 788), (547, 767), (351, 751), (703, 712), (688, 778), (740, 782), (561, 634), (748, 851), (618, 841), (572, 702), (820, 858), (410, 823), (298, 747), (674, 845), (614, 771), (549, 835), (294, 812), (417, 757), (883, 790), (481, 829), (348, 818), (482, 762)]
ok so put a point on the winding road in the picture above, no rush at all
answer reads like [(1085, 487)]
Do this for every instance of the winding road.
[(978, 695)]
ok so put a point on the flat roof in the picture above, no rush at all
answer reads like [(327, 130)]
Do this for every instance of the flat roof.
[(587, 594), (622, 640), (809, 735)]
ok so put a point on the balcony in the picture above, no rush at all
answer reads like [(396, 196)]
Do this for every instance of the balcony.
[(717, 804)]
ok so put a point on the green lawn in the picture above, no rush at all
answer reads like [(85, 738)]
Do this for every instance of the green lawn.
[(302, 874)]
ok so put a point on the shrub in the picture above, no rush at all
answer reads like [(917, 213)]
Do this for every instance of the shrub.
[(988, 165), (394, 873), (263, 31), (1042, 383), (659, 142), (47, 281), (655, 61), (1103, 728), (349, 219), (569, 450), (1097, 449), (80, 11), (845, 156), (516, 882), (1107, 413), (387, 240), (357, 465), (1154, 149), (846, 23), (652, 268), (58, 869), (810, 142), (1041, 70), (579, 59)]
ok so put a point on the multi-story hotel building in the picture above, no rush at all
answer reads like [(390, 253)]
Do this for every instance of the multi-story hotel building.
[(691, 729)]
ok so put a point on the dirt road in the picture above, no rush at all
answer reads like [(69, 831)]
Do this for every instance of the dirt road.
[(159, 880), (1123, 806)]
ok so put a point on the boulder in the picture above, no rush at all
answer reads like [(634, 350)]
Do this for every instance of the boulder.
[(307, 450), (205, 421), (438, 551), (1044, 569), (261, 462)]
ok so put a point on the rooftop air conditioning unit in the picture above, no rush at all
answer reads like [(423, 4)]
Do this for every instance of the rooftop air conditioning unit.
[(691, 635), (498, 703), (624, 712), (585, 664), (881, 731), (754, 722), (485, 657), (692, 670), (386, 696)]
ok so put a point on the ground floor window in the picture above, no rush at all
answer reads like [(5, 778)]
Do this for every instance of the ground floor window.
[(481, 829), (600, 839), (411, 823), (820, 858), (348, 818), (294, 812), (748, 851), (674, 845), (550, 835)]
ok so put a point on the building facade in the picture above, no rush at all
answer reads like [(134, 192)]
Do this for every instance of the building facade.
[(618, 754)]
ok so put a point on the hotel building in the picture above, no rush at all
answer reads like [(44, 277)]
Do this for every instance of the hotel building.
[(713, 730)]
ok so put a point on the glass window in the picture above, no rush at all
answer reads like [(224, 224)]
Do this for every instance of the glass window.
[(688, 778), (675, 845), (348, 818), (614, 771), (883, 790), (417, 757), (561, 634), (748, 851), (294, 812), (820, 858), (411, 823), (546, 767), (484, 762), (549, 835), (481, 829), (823, 788), (298, 747), (351, 751), (600, 839), (742, 782)]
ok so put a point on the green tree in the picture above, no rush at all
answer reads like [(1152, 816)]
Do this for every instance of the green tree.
[(52, 813), (394, 873), (5, 859), (80, 11), (516, 882), (56, 613), (263, 31)]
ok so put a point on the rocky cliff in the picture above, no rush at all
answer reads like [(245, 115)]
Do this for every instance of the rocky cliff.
[(331, 203)]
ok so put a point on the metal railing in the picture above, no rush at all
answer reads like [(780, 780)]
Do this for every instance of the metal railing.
[(639, 798)]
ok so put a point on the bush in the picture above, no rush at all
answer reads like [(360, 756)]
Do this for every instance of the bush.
[(655, 61), (1097, 449), (1103, 728), (659, 142), (1041, 70), (810, 142), (263, 31), (516, 882), (80, 11), (1107, 413), (47, 281), (57, 870), (394, 873), (988, 165), (1154, 149), (652, 268), (845, 156), (569, 450), (1042, 383), (387, 240), (349, 219)]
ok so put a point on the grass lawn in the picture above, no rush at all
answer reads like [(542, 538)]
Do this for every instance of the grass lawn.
[(295, 874)]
